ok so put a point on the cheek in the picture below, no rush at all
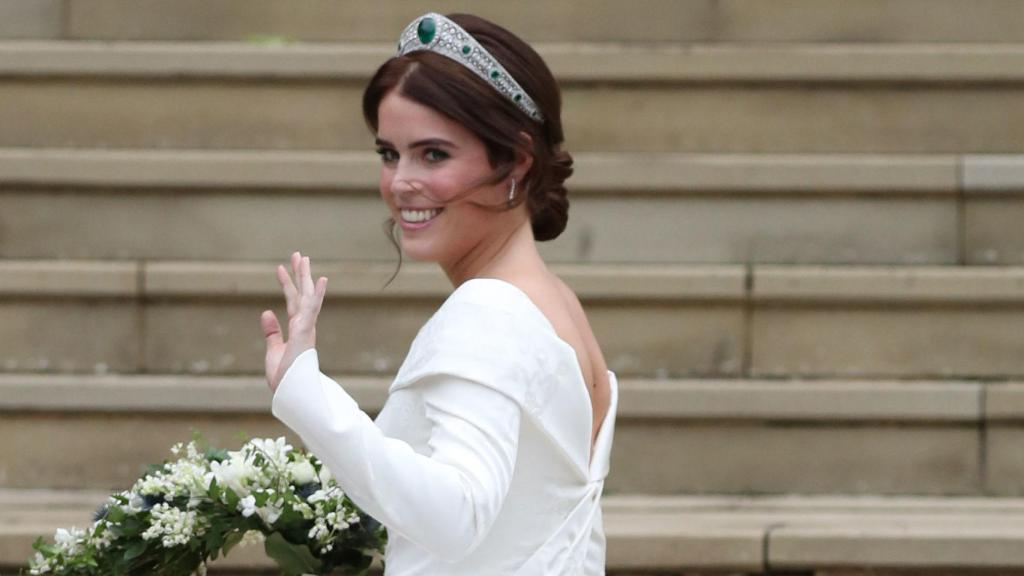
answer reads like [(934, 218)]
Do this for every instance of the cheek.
[(384, 185)]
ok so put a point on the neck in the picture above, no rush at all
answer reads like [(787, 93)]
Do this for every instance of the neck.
[(512, 252)]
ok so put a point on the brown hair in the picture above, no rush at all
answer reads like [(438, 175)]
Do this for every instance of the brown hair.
[(452, 89)]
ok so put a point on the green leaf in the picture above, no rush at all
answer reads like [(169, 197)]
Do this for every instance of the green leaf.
[(214, 540), (214, 491), (231, 498), (134, 550), (115, 514), (294, 560), (132, 526), (232, 540), (216, 454)]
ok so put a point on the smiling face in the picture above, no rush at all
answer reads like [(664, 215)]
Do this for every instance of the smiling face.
[(427, 160)]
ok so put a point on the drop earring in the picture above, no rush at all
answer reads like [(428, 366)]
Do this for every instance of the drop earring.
[(511, 192)]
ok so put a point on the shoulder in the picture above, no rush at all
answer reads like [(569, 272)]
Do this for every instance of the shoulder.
[(479, 333)]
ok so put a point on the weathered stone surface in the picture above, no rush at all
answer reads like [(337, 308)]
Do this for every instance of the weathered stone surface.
[(994, 174), (994, 206), (717, 117), (1004, 461), (960, 285), (90, 336), (992, 231), (819, 118), (761, 229), (939, 542), (325, 20), (31, 19), (89, 278), (780, 457), (805, 401), (1004, 402), (182, 114), (869, 21), (887, 340), (647, 20), (193, 226)]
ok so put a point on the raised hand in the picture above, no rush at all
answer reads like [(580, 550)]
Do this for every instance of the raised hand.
[(304, 299)]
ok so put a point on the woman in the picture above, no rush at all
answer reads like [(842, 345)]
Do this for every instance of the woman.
[(490, 454)]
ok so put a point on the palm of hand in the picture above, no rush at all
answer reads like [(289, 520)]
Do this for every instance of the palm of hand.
[(304, 299)]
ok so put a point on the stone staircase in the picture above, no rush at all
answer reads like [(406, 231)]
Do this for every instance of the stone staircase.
[(795, 227)]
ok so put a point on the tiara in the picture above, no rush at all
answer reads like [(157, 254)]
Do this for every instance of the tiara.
[(437, 33)]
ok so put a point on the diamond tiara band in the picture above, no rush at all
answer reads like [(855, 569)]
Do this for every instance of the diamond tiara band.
[(438, 34)]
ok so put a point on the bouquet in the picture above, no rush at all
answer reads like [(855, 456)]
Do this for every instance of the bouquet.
[(184, 513)]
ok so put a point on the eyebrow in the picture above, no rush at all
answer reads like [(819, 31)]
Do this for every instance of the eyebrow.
[(420, 143)]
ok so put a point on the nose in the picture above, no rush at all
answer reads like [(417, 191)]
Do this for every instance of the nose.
[(404, 183)]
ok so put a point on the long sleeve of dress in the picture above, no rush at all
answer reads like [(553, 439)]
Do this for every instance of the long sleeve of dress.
[(444, 502)]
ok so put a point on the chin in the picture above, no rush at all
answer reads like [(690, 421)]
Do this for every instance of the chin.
[(416, 254)]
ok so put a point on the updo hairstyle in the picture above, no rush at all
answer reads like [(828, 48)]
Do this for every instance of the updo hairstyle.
[(453, 90)]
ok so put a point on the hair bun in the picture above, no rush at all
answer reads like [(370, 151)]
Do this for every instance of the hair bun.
[(552, 210)]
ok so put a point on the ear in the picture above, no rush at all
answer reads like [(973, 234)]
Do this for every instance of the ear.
[(524, 156)]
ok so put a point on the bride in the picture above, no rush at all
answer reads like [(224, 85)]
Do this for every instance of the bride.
[(490, 454)]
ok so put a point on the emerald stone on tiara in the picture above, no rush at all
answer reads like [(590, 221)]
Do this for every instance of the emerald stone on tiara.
[(436, 33)]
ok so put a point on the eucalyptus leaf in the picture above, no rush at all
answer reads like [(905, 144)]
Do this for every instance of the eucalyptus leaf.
[(232, 540), (134, 550), (294, 559)]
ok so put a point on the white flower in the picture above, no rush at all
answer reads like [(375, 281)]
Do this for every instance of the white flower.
[(247, 505), (276, 451), (271, 512), (302, 472), (40, 565), (174, 527), (234, 473), (68, 540), (325, 475)]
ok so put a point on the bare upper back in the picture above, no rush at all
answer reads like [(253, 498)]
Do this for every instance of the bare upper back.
[(562, 308)]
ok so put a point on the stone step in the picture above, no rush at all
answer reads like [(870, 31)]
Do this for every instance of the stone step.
[(535, 20), (695, 208), (660, 320), (792, 98), (738, 436), (700, 534)]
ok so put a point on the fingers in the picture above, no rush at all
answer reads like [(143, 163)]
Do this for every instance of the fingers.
[(320, 292), (271, 328), (308, 288), (291, 293), (297, 270), (302, 292)]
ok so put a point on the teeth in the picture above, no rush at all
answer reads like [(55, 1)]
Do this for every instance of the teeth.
[(419, 215)]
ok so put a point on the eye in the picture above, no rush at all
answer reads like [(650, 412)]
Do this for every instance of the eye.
[(387, 155), (434, 155)]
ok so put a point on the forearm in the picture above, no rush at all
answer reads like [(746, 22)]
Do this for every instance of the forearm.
[(445, 503)]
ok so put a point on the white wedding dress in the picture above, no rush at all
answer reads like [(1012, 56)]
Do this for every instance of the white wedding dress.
[(479, 462)]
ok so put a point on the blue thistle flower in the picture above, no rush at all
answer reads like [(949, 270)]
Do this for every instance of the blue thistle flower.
[(100, 512), (307, 490), (150, 500)]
